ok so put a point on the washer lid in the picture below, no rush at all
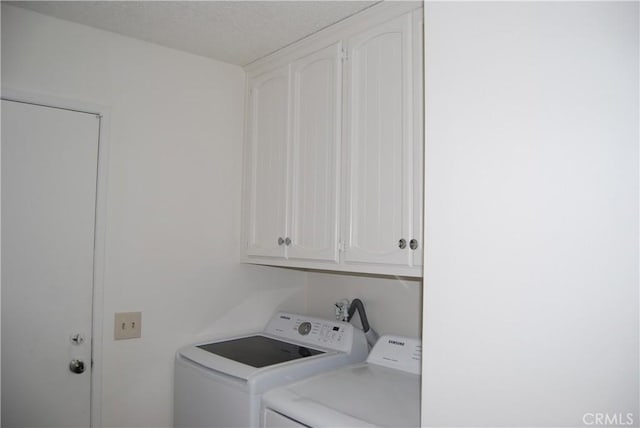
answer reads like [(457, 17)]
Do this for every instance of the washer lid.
[(358, 395), (259, 351)]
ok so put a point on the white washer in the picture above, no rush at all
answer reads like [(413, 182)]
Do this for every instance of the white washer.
[(220, 383), (382, 392)]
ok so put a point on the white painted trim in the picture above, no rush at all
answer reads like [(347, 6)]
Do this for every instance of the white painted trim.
[(99, 268), (244, 197), (354, 267), (100, 227), (423, 326)]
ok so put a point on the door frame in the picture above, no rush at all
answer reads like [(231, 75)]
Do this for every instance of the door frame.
[(103, 113)]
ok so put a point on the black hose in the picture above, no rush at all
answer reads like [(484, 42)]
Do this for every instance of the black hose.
[(357, 304)]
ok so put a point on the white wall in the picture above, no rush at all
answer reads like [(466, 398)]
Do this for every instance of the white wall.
[(393, 305), (531, 278), (173, 202)]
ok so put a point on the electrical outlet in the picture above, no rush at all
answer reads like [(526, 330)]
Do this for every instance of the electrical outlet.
[(128, 325)]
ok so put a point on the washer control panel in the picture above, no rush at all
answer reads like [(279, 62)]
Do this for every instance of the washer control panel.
[(312, 331), (304, 328)]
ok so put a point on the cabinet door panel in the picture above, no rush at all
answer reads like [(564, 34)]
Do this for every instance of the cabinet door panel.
[(268, 147), (317, 83), (379, 171)]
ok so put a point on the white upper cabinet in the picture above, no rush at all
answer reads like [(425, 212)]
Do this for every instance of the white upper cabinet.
[(293, 159), (267, 148), (333, 161), (379, 145), (315, 183)]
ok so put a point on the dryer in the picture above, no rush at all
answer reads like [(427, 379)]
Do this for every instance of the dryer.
[(220, 383), (384, 391)]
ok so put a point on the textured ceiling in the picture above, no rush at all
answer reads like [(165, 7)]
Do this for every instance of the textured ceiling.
[(238, 32)]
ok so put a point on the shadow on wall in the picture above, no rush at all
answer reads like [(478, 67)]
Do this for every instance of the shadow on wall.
[(253, 312), (393, 304)]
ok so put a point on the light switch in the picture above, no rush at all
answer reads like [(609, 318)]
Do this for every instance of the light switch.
[(127, 325)]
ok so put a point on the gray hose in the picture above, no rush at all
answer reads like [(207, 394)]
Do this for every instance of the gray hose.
[(370, 334)]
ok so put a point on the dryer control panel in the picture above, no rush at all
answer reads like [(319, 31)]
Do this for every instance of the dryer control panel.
[(397, 352), (318, 332)]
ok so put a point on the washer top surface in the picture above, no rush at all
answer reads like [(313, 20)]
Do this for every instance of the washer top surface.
[(290, 347), (259, 351), (383, 392)]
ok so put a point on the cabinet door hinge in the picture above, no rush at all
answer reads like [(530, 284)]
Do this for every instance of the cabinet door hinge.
[(342, 246), (344, 55)]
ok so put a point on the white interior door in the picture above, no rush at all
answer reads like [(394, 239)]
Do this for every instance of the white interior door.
[(49, 168)]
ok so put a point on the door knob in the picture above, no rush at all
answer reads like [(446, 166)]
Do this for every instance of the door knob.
[(280, 241), (76, 366), (402, 244), (413, 244)]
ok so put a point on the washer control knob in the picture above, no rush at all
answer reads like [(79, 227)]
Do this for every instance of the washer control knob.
[(304, 328)]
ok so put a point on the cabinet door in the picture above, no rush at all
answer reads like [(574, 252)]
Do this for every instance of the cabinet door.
[(268, 141), (315, 183), (379, 145)]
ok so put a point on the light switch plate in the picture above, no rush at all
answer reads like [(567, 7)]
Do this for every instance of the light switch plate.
[(128, 325)]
